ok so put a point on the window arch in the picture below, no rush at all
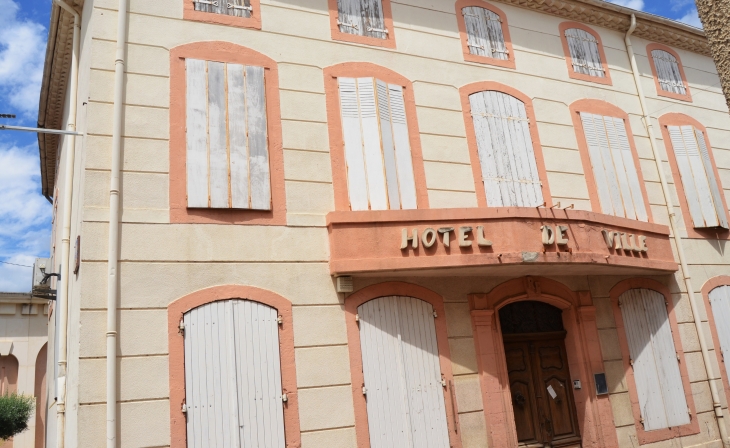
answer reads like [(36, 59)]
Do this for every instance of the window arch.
[(584, 53), (700, 192), (241, 13), (364, 22), (484, 33), (610, 161), (8, 374), (225, 174), (716, 295), (214, 318), (506, 155), (668, 71), (376, 153)]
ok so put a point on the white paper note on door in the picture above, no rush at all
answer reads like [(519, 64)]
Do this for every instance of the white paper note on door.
[(551, 391)]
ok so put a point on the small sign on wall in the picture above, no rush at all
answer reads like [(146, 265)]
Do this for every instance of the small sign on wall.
[(601, 384)]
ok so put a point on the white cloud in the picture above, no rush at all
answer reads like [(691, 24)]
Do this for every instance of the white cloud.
[(22, 53), (633, 4), (691, 18)]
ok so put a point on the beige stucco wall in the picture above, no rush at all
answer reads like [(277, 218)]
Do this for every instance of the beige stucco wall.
[(161, 262)]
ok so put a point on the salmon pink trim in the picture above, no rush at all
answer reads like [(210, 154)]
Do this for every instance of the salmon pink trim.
[(337, 143), (607, 109), (687, 96), (223, 52), (175, 312), (189, 13), (569, 59), (693, 427), (721, 280), (675, 119), (510, 61), (595, 415), (471, 138), (353, 341), (388, 42)]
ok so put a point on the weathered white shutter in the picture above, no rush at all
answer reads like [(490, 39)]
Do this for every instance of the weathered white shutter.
[(377, 147), (403, 388), (506, 154), (617, 180), (362, 17), (720, 303), (237, 8), (667, 71), (698, 177), (584, 52), (233, 394), (227, 160), (484, 33), (655, 364)]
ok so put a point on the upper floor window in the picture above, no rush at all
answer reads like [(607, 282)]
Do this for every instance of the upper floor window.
[(244, 13), (609, 160), (506, 150), (584, 53), (668, 72), (484, 33), (363, 21)]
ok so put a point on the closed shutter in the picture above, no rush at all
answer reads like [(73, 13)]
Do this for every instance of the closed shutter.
[(227, 160), (237, 8), (377, 145), (720, 303), (667, 71), (361, 17), (654, 358), (484, 33), (506, 154), (698, 177), (584, 52), (233, 394), (617, 180), (405, 398)]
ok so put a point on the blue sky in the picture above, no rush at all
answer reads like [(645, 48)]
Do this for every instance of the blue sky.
[(25, 215)]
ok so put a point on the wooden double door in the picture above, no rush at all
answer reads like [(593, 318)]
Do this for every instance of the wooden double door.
[(542, 395)]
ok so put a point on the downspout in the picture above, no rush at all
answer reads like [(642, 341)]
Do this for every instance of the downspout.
[(677, 240), (113, 262), (62, 301)]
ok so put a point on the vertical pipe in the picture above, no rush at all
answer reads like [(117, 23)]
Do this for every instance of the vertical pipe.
[(719, 417), (113, 276), (62, 300)]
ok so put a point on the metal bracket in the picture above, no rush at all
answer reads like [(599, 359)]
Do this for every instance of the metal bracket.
[(377, 30), (206, 2), (232, 6)]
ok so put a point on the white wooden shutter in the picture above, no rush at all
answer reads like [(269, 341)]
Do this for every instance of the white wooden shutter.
[(720, 303), (617, 180), (506, 154), (377, 146), (584, 52), (237, 8), (484, 33), (361, 17), (404, 393), (655, 365), (698, 177), (667, 71), (227, 159), (233, 394)]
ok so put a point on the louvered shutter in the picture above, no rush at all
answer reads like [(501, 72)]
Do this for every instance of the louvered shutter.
[(233, 394), (484, 33), (227, 159), (698, 177), (405, 396), (667, 71), (720, 303), (377, 146), (617, 180), (506, 154), (361, 17), (655, 365), (237, 8), (584, 52)]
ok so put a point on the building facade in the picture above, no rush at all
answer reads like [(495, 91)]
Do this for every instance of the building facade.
[(386, 224)]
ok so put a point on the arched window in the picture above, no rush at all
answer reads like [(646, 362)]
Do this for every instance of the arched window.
[(243, 13), (362, 21), (8, 374), (484, 33), (668, 72), (719, 298), (584, 53)]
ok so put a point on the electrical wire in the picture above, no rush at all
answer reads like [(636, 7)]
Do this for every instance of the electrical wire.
[(14, 264)]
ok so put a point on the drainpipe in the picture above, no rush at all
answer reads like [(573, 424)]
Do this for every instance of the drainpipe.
[(677, 241), (113, 277), (62, 301)]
